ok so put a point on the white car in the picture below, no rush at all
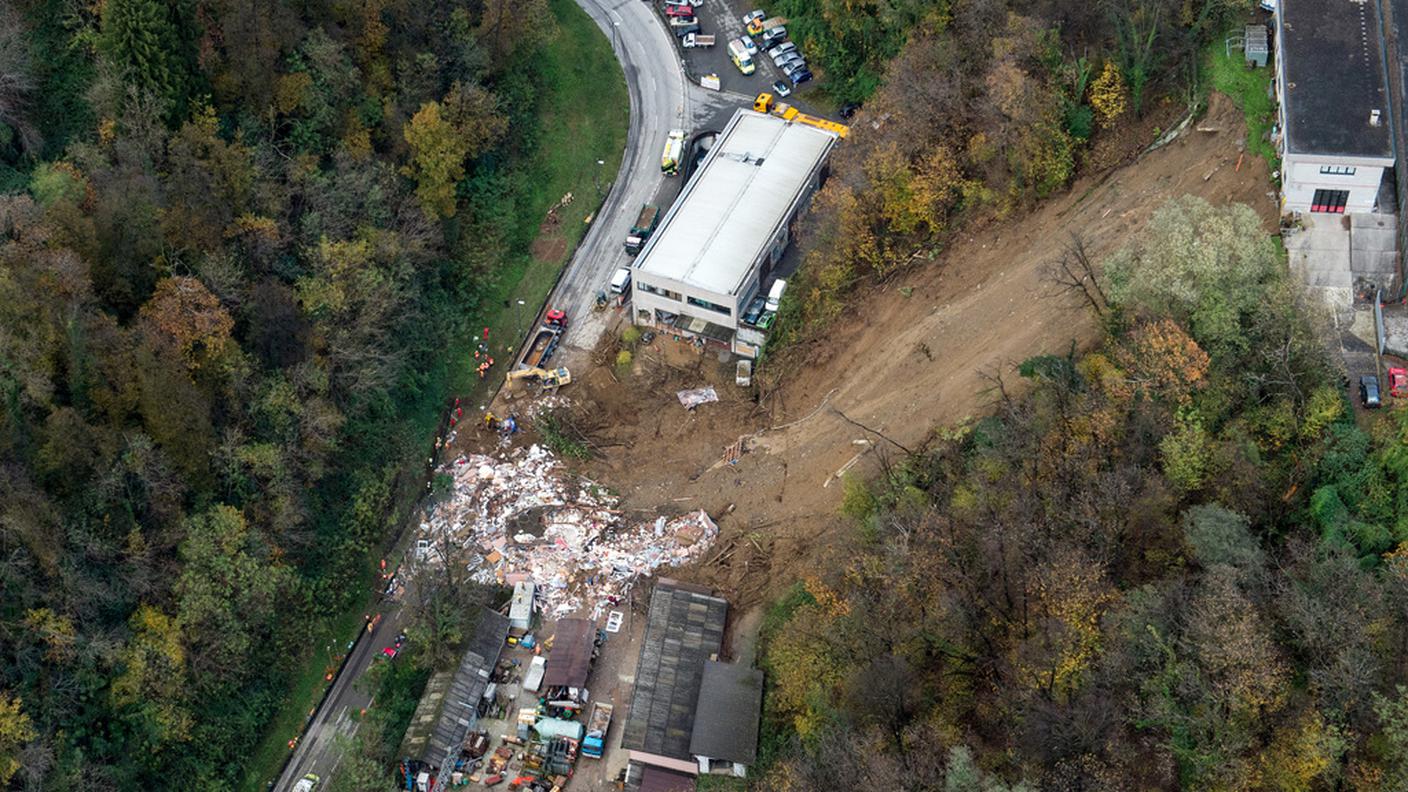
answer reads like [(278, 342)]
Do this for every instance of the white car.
[(775, 295), (752, 15), (748, 45), (307, 783), (621, 280), (782, 48)]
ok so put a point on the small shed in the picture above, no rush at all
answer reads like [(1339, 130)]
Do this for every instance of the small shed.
[(520, 610), (1255, 45), (570, 660)]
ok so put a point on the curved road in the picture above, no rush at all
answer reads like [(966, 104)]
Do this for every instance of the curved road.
[(661, 99)]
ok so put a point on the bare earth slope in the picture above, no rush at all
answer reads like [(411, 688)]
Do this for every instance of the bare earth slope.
[(901, 365)]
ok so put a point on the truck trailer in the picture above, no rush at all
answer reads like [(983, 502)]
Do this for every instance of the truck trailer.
[(645, 224), (594, 743)]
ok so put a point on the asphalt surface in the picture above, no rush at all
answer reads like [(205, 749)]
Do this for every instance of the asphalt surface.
[(661, 99), (317, 752)]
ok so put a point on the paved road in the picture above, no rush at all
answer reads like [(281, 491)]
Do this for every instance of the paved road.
[(318, 751), (659, 102), (661, 99)]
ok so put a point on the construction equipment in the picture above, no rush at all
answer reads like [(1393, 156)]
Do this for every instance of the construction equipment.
[(765, 103), (554, 378)]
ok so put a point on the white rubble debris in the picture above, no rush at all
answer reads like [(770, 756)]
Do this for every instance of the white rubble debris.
[(524, 518)]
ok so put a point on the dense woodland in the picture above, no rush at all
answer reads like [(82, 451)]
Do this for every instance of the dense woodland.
[(235, 237), (1179, 562), (983, 107)]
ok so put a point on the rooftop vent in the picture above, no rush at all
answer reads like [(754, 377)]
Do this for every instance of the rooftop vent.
[(1373, 118)]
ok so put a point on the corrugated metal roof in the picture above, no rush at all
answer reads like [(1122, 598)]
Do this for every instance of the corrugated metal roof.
[(727, 214), (457, 701), (570, 660), (726, 720), (683, 629)]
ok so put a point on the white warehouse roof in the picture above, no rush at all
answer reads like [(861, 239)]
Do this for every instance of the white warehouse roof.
[(729, 212)]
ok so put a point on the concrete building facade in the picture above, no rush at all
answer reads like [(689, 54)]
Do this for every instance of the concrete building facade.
[(729, 227), (1333, 134)]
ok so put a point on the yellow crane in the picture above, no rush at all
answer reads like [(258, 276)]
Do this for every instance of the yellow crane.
[(765, 103)]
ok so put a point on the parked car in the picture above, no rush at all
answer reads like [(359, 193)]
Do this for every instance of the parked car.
[(778, 49), (679, 10), (1398, 382), (621, 281), (775, 295), (765, 321), (774, 35), (755, 311), (800, 76), (849, 109), (307, 783), (748, 45), (1369, 391), (753, 16), (780, 90), (783, 60)]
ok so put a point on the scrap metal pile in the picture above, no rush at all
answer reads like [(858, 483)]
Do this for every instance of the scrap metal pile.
[(525, 518)]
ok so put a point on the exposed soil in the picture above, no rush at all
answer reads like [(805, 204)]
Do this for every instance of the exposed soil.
[(914, 354)]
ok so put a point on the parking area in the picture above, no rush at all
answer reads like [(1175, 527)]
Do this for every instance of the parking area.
[(724, 21)]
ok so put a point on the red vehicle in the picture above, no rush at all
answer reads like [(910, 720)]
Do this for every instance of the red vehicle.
[(1398, 383), (557, 318), (681, 10)]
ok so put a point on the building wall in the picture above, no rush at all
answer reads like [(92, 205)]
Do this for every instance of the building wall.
[(642, 300), (1302, 175)]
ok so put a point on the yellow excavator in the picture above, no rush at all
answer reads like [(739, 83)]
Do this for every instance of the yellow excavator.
[(550, 378), (765, 103)]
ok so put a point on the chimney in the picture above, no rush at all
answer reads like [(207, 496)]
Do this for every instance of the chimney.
[(1373, 118)]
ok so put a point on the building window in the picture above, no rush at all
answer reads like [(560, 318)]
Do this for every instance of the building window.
[(1332, 201), (715, 307), (645, 287), (1337, 170)]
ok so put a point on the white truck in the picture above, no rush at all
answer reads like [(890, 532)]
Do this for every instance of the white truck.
[(693, 40)]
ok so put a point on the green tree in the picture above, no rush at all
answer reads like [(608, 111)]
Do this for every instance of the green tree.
[(142, 39), (437, 159), (228, 596)]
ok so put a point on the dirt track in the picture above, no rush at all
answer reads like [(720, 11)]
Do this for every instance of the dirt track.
[(902, 365)]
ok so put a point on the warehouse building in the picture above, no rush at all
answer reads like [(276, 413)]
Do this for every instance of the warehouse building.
[(719, 242), (1334, 137)]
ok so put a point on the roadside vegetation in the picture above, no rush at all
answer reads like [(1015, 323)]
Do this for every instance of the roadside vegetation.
[(985, 108), (1250, 90), (242, 246), (1179, 561)]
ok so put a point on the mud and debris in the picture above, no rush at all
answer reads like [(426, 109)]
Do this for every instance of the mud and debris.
[(523, 516)]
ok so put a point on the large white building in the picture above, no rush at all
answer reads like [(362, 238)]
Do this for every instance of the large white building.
[(1334, 138), (730, 225)]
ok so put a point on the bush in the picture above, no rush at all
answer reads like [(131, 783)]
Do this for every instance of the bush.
[(631, 336), (624, 358)]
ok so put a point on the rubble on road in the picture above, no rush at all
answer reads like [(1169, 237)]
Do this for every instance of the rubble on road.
[(524, 518)]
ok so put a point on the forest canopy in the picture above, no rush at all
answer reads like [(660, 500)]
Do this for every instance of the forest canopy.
[(236, 237), (1179, 561)]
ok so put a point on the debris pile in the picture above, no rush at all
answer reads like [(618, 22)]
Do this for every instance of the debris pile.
[(524, 518)]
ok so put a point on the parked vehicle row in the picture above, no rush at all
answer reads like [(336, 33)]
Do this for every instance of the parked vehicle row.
[(771, 35)]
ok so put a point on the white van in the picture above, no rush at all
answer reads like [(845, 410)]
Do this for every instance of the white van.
[(775, 295), (621, 280)]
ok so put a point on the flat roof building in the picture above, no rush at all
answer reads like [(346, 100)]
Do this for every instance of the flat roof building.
[(1334, 136), (731, 223)]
